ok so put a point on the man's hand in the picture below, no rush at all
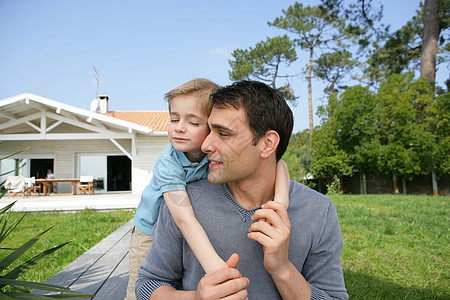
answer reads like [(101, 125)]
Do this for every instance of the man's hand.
[(226, 283), (272, 231)]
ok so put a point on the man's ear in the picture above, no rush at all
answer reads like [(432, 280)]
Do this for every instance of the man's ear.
[(269, 143)]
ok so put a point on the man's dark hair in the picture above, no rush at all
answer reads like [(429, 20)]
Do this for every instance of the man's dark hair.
[(265, 107)]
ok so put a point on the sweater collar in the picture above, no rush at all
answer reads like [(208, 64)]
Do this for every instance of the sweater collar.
[(245, 214)]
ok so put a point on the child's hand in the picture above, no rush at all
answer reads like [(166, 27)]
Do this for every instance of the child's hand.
[(224, 282)]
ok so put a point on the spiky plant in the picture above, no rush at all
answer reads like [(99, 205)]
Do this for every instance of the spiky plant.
[(10, 287)]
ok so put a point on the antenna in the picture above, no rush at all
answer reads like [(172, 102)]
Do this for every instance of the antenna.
[(97, 80)]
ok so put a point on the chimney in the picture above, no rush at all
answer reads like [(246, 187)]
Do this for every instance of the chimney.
[(103, 103)]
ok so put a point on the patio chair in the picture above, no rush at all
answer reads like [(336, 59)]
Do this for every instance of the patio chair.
[(86, 185), (31, 187), (15, 185)]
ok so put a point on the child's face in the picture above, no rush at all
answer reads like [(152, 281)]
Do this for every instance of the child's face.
[(188, 126)]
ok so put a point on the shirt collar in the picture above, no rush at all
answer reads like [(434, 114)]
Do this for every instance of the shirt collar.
[(185, 161)]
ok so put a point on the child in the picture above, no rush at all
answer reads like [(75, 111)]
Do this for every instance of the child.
[(181, 162)]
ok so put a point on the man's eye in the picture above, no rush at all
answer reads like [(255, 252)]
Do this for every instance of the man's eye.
[(223, 134)]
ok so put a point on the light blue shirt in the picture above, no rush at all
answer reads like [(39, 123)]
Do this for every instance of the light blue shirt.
[(171, 172)]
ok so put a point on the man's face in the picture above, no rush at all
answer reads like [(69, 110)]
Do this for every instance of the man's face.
[(229, 146)]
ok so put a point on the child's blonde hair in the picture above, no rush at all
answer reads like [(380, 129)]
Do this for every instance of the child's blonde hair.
[(201, 88)]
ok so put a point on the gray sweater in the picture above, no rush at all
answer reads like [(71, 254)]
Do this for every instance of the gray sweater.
[(315, 244)]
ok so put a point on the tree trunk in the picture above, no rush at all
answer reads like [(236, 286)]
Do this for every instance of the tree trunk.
[(434, 182), (362, 183), (429, 51), (394, 180), (310, 107), (274, 78), (404, 185), (430, 39)]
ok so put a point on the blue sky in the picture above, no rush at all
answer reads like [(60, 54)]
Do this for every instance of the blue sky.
[(142, 49)]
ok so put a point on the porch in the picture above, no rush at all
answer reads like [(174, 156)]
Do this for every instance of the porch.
[(107, 201)]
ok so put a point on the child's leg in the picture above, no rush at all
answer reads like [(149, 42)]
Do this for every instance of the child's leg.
[(181, 210), (139, 245), (282, 183)]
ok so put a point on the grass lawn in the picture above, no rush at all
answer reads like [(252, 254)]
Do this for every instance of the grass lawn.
[(395, 247), (86, 228)]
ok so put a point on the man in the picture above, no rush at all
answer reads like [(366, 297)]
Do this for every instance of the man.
[(283, 253)]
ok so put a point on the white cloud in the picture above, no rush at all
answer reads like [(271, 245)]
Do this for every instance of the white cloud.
[(218, 51)]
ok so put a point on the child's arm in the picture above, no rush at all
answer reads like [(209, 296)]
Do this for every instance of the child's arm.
[(181, 210), (282, 183)]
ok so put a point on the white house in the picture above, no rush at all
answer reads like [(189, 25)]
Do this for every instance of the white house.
[(118, 148)]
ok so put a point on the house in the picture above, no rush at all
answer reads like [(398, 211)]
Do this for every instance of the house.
[(118, 148)]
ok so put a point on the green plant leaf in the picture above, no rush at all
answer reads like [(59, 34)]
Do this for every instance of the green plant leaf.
[(18, 295), (4, 296), (19, 167), (7, 261), (28, 264), (6, 232), (7, 156), (20, 289), (9, 172), (43, 287), (35, 285), (69, 296), (7, 207)]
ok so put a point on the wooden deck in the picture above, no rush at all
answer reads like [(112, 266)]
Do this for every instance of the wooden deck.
[(101, 271)]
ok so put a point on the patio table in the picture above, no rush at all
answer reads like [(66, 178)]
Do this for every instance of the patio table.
[(45, 182)]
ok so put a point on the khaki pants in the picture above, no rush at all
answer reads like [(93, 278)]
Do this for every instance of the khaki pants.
[(139, 245)]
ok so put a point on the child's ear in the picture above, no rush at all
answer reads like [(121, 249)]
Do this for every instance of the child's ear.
[(269, 143)]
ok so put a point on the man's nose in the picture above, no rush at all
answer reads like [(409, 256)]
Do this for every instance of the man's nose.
[(207, 144)]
